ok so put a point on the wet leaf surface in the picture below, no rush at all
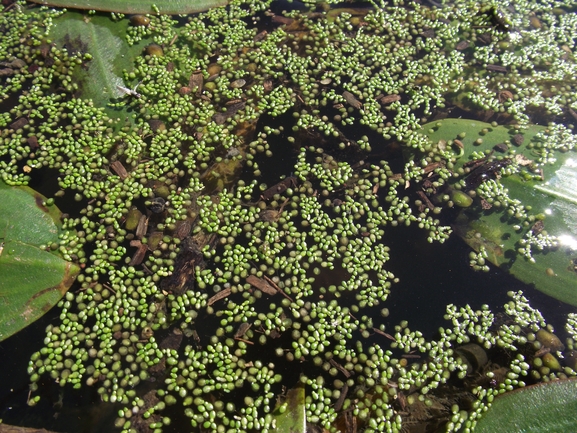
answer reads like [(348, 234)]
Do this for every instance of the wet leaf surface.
[(547, 407), (32, 280), (292, 418), (138, 6)]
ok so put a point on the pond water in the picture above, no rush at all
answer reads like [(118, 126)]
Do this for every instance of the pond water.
[(431, 276), (329, 135)]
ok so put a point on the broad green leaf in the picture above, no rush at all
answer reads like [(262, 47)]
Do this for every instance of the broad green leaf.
[(104, 40), (170, 7), (544, 408), (290, 415), (32, 280), (554, 200)]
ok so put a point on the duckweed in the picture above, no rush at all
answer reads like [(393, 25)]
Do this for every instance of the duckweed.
[(191, 262)]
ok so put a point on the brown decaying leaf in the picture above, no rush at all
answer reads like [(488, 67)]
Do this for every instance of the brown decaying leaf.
[(282, 20), (384, 334), (279, 188), (388, 99), (497, 68), (142, 227), (119, 169), (172, 340), (183, 229), (340, 368), (485, 204), (462, 45), (19, 123), (339, 403), (220, 295), (278, 289), (352, 100), (243, 327), (432, 166), (6, 72), (33, 142), (261, 284), (426, 200), (138, 256), (196, 82), (518, 139), (221, 117)]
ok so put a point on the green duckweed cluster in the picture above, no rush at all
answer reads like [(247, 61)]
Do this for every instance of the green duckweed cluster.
[(200, 276)]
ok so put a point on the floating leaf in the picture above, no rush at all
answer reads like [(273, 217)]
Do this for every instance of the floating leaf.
[(170, 7), (290, 415), (32, 280), (546, 206), (543, 408)]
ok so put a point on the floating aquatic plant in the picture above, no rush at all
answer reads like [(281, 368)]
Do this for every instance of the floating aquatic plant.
[(206, 256)]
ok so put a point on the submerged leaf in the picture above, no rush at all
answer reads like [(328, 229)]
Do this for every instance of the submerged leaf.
[(290, 415), (32, 280), (530, 229), (102, 39)]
